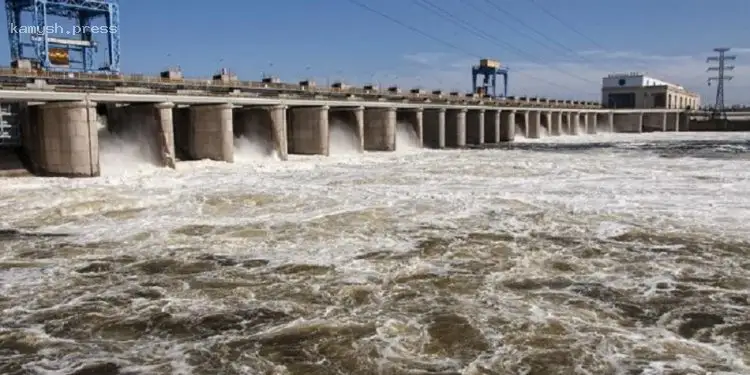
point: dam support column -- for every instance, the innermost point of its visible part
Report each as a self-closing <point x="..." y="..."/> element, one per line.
<point x="545" y="122"/>
<point x="568" y="123"/>
<point x="165" y="131"/>
<point x="307" y="130"/>
<point x="434" y="128"/>
<point x="591" y="123"/>
<point x="611" y="122"/>
<point x="278" y="124"/>
<point x="380" y="129"/>
<point x="455" y="127"/>
<point x="533" y="125"/>
<point x="475" y="127"/>
<point x="507" y="125"/>
<point x="66" y="140"/>
<point x="556" y="124"/>
<point x="211" y="131"/>
<point x="492" y="126"/>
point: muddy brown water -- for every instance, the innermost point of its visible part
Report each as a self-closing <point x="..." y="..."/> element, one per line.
<point x="607" y="260"/>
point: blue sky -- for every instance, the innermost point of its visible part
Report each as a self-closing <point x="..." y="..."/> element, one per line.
<point x="329" y="40"/>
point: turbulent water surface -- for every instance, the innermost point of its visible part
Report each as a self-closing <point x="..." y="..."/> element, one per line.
<point x="623" y="257"/>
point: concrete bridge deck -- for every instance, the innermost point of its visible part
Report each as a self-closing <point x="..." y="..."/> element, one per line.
<point x="100" y="83"/>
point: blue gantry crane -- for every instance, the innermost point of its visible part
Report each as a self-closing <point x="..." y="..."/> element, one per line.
<point x="489" y="70"/>
<point x="70" y="46"/>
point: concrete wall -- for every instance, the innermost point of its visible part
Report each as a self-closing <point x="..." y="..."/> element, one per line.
<point x="307" y="130"/>
<point x="628" y="123"/>
<point x="719" y="125"/>
<point x="645" y="96"/>
<point x="380" y="129"/>
<point x="434" y="128"/>
<point x="61" y="139"/>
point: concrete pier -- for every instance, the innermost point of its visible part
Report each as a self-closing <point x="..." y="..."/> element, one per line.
<point x="380" y="129"/>
<point x="211" y="135"/>
<point x="475" y="127"/>
<point x="455" y="128"/>
<point x="63" y="139"/>
<point x="545" y="122"/>
<point x="307" y="130"/>
<point x="264" y="126"/>
<point x="507" y="125"/>
<point x="414" y="119"/>
<point x="492" y="126"/>
<point x="534" y="125"/>
<point x="556" y="127"/>
<point x="434" y="127"/>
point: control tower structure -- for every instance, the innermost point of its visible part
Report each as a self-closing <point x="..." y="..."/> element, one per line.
<point x="69" y="45"/>
<point x="489" y="70"/>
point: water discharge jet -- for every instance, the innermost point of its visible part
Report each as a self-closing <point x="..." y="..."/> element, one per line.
<point x="343" y="139"/>
<point x="253" y="135"/>
<point x="407" y="138"/>
<point x="125" y="147"/>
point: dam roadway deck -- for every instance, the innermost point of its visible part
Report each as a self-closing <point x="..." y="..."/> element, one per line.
<point x="59" y="114"/>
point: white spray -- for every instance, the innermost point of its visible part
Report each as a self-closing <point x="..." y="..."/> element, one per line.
<point x="343" y="140"/>
<point x="124" y="153"/>
<point x="407" y="138"/>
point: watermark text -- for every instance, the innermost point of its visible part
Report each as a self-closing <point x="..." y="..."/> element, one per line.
<point x="56" y="29"/>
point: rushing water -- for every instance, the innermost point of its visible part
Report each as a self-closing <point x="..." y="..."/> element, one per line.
<point x="624" y="257"/>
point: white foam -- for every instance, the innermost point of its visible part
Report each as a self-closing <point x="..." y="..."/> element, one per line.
<point x="319" y="210"/>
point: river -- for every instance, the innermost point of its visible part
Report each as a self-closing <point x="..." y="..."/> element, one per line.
<point x="609" y="254"/>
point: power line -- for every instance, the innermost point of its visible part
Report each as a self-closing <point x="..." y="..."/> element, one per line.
<point x="588" y="38"/>
<point x="570" y="27"/>
<point x="587" y="63"/>
<point x="441" y="12"/>
<point x="524" y="24"/>
<point x="448" y="44"/>
<point x="720" y="78"/>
